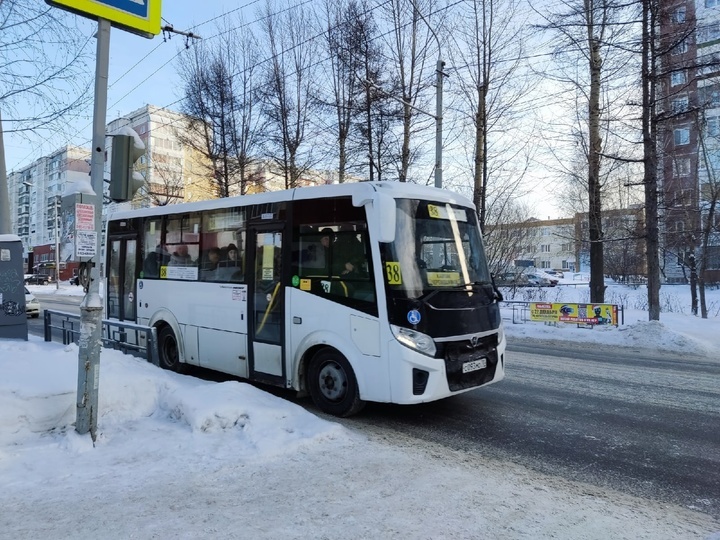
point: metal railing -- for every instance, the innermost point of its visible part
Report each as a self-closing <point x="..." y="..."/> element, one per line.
<point x="128" y="337"/>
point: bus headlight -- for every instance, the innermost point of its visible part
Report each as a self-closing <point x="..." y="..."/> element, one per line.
<point x="414" y="340"/>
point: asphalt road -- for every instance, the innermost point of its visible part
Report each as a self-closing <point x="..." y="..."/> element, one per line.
<point x="641" y="422"/>
<point x="644" y="425"/>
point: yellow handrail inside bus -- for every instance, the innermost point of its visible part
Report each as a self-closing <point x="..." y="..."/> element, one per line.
<point x="268" y="308"/>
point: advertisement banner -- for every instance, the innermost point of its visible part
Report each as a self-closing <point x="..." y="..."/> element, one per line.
<point x="574" y="313"/>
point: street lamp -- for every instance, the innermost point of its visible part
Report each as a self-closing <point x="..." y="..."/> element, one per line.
<point x="58" y="202"/>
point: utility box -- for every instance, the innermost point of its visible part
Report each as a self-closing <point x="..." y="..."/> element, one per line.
<point x="13" y="319"/>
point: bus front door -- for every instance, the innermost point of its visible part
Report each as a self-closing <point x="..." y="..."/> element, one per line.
<point x="267" y="304"/>
<point x="122" y="261"/>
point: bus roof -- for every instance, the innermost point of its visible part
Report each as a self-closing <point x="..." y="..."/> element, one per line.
<point x="398" y="190"/>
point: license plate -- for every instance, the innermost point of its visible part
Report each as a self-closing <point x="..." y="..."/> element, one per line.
<point x="474" y="365"/>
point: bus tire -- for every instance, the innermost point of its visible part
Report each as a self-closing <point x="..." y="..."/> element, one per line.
<point x="168" y="352"/>
<point x="332" y="384"/>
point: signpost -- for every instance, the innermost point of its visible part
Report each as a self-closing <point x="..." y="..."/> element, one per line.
<point x="140" y="17"/>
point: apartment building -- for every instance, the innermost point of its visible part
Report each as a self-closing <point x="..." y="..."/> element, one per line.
<point x="173" y="173"/>
<point x="689" y="132"/>
<point x="563" y="244"/>
<point x="34" y="192"/>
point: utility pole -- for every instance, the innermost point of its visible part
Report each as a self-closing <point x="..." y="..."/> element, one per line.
<point x="5" y="227"/>
<point x="57" y="242"/>
<point x="91" y="307"/>
<point x="438" y="122"/>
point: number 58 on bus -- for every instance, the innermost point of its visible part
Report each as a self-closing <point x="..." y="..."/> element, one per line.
<point x="349" y="293"/>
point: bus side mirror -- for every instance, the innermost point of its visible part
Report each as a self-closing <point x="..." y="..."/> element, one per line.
<point x="381" y="212"/>
<point x="385" y="213"/>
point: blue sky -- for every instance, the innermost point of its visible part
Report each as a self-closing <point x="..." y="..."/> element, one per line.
<point x="142" y="71"/>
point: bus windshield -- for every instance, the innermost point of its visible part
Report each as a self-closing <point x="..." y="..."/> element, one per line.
<point x="437" y="247"/>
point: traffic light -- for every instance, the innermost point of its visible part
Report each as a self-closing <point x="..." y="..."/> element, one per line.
<point x="124" y="180"/>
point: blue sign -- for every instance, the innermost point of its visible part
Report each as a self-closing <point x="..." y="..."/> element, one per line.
<point x="413" y="316"/>
<point x="139" y="7"/>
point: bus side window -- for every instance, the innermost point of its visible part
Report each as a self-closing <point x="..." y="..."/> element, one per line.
<point x="224" y="231"/>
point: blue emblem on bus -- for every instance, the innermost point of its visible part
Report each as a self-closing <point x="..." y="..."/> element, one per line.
<point x="413" y="316"/>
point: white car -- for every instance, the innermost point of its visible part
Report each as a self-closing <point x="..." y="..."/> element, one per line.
<point x="32" y="306"/>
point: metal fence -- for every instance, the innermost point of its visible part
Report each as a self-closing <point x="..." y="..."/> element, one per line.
<point x="127" y="337"/>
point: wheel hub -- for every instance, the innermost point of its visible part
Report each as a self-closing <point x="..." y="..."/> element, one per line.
<point x="333" y="381"/>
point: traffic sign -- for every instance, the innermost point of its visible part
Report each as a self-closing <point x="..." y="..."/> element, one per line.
<point x="140" y="17"/>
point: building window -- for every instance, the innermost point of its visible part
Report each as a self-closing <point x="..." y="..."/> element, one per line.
<point x="545" y="248"/>
<point x="682" y="136"/>
<point x="678" y="15"/>
<point x="680" y="48"/>
<point x="709" y="33"/>
<point x="678" y="78"/>
<point x="712" y="3"/>
<point x="681" y="167"/>
<point x="679" y="104"/>
<point x="712" y="126"/>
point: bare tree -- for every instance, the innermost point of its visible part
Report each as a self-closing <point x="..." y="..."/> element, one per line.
<point x="348" y="25"/>
<point x="411" y="44"/>
<point x="288" y="100"/>
<point x="709" y="207"/>
<point x="593" y="31"/>
<point x="378" y="111"/>
<point x="487" y="37"/>
<point x="221" y="86"/>
<point x="44" y="74"/>
<point x="39" y="89"/>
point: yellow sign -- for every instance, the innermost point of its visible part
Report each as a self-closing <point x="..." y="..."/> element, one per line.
<point x="305" y="284"/>
<point x="574" y="313"/>
<point x="140" y="17"/>
<point x="443" y="279"/>
<point x="163" y="272"/>
<point x="392" y="271"/>
<point x="446" y="212"/>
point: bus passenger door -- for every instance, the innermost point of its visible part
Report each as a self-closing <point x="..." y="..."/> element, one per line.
<point x="267" y="304"/>
<point x="121" y="276"/>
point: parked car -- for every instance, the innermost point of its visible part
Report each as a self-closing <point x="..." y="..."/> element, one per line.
<point x="539" y="280"/>
<point x="32" y="306"/>
<point x="38" y="279"/>
<point x="545" y="275"/>
<point x="510" y="279"/>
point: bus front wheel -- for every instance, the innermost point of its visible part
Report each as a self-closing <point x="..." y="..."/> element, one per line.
<point x="332" y="384"/>
<point x="168" y="351"/>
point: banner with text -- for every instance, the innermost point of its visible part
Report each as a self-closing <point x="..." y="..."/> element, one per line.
<point x="574" y="313"/>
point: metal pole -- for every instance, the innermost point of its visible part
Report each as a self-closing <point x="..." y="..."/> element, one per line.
<point x="91" y="307"/>
<point x="5" y="222"/>
<point x="438" y="124"/>
<point x="57" y="242"/>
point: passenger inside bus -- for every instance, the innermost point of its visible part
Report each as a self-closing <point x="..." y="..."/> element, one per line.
<point x="180" y="256"/>
<point x="231" y="257"/>
<point x="154" y="260"/>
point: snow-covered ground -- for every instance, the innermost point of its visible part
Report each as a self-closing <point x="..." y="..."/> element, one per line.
<point x="178" y="457"/>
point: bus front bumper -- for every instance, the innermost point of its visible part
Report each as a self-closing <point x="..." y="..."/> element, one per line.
<point x="417" y="378"/>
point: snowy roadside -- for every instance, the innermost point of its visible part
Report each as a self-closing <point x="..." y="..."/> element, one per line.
<point x="178" y="457"/>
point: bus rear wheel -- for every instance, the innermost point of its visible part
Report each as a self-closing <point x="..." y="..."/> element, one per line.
<point x="332" y="384"/>
<point x="168" y="352"/>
